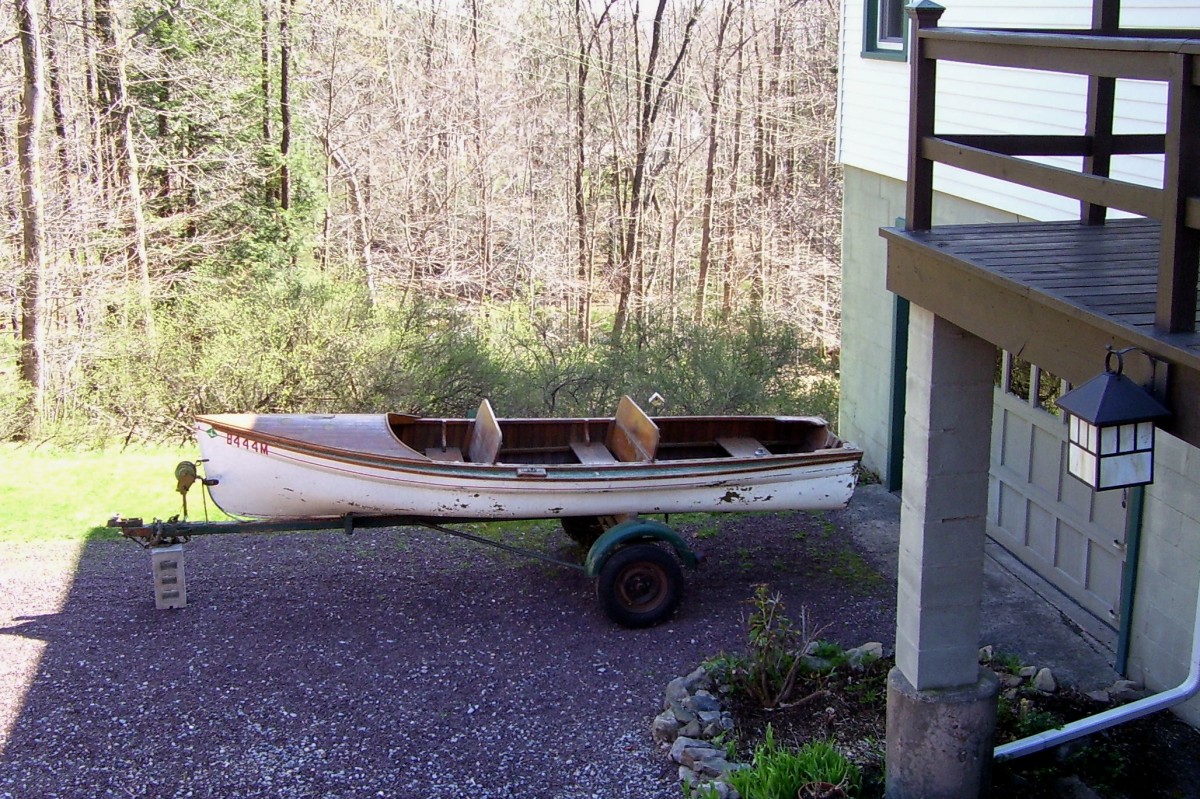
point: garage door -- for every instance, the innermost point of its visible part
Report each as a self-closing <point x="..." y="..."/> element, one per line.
<point x="1060" y="528"/>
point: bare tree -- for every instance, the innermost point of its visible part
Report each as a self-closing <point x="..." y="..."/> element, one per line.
<point x="652" y="89"/>
<point x="117" y="128"/>
<point x="29" y="129"/>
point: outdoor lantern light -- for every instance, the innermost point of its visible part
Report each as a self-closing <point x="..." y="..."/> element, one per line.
<point x="1111" y="437"/>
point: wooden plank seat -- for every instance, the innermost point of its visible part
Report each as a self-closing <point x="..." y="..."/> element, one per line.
<point x="444" y="454"/>
<point x="592" y="452"/>
<point x="743" y="446"/>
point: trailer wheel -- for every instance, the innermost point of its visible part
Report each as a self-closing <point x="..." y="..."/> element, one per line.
<point x="640" y="585"/>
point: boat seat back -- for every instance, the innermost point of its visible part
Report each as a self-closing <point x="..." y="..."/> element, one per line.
<point x="485" y="435"/>
<point x="633" y="436"/>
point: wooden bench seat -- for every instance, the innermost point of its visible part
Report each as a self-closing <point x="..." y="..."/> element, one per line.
<point x="593" y="453"/>
<point x="444" y="454"/>
<point x="743" y="446"/>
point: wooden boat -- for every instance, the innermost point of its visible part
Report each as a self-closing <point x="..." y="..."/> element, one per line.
<point x="275" y="466"/>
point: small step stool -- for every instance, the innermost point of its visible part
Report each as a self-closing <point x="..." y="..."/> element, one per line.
<point x="166" y="567"/>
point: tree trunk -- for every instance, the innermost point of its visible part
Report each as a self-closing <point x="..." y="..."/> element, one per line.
<point x="264" y="55"/>
<point x="481" y="172"/>
<point x="29" y="126"/>
<point x="710" y="165"/>
<point x="650" y="101"/>
<point x="118" y="130"/>
<point x="285" y="103"/>
<point x="362" y="225"/>
<point x="54" y="84"/>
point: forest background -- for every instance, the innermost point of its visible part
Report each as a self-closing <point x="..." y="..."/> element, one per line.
<point x="365" y="205"/>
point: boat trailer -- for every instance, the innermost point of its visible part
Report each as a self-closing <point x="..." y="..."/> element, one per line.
<point x="639" y="581"/>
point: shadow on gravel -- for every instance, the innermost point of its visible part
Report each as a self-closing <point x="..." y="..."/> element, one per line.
<point x="392" y="663"/>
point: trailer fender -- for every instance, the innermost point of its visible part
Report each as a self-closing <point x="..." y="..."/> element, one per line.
<point x="637" y="530"/>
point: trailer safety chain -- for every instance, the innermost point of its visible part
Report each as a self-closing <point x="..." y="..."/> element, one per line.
<point x="529" y="553"/>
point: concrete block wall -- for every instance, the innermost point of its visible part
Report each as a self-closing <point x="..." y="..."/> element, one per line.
<point x="1168" y="573"/>
<point x="873" y="201"/>
<point x="868" y="309"/>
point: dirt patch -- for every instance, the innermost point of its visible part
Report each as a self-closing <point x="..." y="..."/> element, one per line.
<point x="1158" y="756"/>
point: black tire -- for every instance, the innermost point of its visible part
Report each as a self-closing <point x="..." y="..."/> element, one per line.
<point x="583" y="530"/>
<point x="640" y="585"/>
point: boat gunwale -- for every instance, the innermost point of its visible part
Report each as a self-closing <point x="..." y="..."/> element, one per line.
<point x="419" y="464"/>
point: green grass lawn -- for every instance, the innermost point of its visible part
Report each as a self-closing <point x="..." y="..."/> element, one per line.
<point x="57" y="495"/>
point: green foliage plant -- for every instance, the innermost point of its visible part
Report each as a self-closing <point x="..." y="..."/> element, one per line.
<point x="776" y="649"/>
<point x="776" y="773"/>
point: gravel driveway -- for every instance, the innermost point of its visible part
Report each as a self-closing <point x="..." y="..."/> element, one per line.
<point x="393" y="663"/>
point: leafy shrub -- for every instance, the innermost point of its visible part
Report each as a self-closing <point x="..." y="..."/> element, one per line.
<point x="776" y="650"/>
<point x="302" y="340"/>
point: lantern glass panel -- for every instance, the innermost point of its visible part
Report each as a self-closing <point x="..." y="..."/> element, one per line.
<point x="1128" y="437"/>
<point x="1145" y="435"/>
<point x="1135" y="468"/>
<point x="1093" y="444"/>
<point x="1082" y="464"/>
<point x="1109" y="441"/>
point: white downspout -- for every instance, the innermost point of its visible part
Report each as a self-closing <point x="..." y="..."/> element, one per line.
<point x="1117" y="715"/>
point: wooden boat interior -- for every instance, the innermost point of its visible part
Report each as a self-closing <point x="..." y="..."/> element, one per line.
<point x="629" y="436"/>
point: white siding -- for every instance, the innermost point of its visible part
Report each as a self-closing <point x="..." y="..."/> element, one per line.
<point x="873" y="117"/>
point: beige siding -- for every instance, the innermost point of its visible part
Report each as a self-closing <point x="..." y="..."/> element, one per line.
<point x="974" y="99"/>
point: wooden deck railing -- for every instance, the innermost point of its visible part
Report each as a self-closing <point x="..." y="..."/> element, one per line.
<point x="1104" y="55"/>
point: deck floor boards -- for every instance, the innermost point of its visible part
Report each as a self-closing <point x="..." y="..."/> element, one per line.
<point x="1110" y="270"/>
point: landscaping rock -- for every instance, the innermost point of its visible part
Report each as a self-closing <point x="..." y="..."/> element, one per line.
<point x="1028" y="671"/>
<point x="684" y="743"/>
<point x="701" y="701"/>
<point x="1126" y="691"/>
<point x="718" y="767"/>
<point x="859" y="656"/>
<point x="677" y="691"/>
<point x="698" y="680"/>
<point x="1044" y="681"/>
<point x="697" y="758"/>
<point x="986" y="653"/>
<point x="681" y="712"/>
<point x="665" y="728"/>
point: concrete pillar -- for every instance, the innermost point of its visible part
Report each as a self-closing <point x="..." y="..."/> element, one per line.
<point x="938" y="686"/>
<point x="166" y="567"/>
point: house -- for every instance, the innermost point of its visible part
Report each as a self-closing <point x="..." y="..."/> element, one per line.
<point x="1035" y="171"/>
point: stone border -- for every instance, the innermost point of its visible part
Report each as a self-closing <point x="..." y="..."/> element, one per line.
<point x="691" y="719"/>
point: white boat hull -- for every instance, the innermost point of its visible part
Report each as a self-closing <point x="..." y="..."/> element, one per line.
<point x="277" y="479"/>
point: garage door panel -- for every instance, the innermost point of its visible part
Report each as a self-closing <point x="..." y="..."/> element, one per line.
<point x="1050" y="521"/>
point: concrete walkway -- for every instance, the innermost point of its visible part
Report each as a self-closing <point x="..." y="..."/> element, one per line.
<point x="1023" y="614"/>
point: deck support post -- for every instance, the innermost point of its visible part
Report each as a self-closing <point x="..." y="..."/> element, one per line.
<point x="941" y="705"/>
<point x="166" y="568"/>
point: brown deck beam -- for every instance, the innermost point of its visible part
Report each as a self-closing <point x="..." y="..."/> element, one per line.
<point x="1064" y="330"/>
